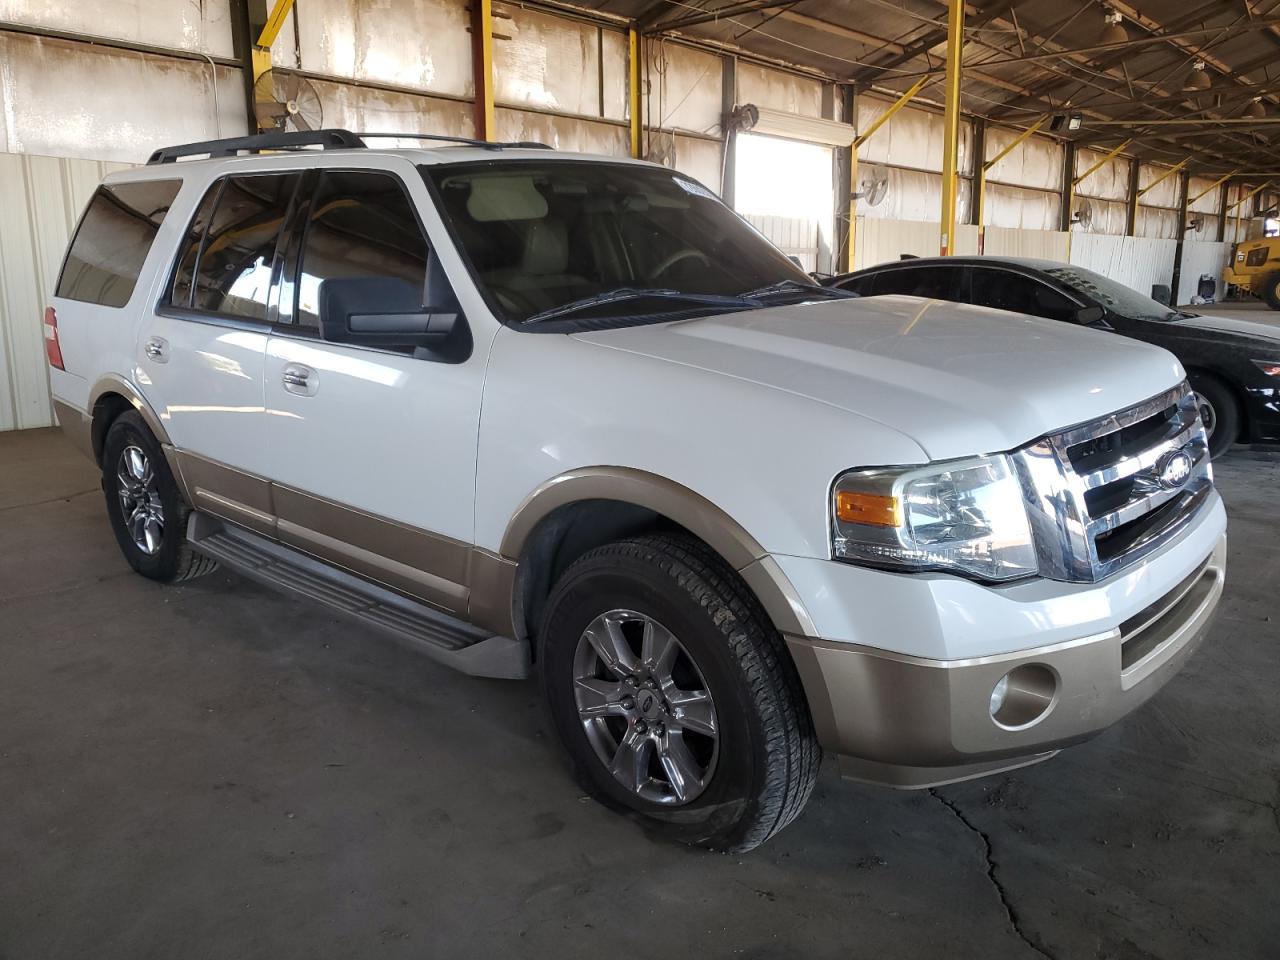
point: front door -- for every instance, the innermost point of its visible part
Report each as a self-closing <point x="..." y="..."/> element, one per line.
<point x="372" y="452"/>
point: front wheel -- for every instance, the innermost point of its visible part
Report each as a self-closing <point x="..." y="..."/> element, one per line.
<point x="148" y="515"/>
<point x="675" y="696"/>
<point x="1218" y="411"/>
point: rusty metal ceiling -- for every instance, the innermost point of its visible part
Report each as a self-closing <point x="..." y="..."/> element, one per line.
<point x="1026" y="58"/>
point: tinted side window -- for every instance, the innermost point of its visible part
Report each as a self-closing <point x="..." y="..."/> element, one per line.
<point x="1005" y="290"/>
<point x="113" y="240"/>
<point x="360" y="225"/>
<point x="236" y="261"/>
<point x="934" y="282"/>
<point x="1256" y="258"/>
<point x="859" y="285"/>
<point x="190" y="248"/>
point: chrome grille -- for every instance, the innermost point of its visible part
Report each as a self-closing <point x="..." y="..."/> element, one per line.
<point x="1107" y="493"/>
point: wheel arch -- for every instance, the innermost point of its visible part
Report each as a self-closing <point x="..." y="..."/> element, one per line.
<point x="586" y="508"/>
<point x="113" y="395"/>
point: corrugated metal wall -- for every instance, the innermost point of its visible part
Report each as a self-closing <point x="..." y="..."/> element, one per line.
<point x="1137" y="262"/>
<point x="40" y="201"/>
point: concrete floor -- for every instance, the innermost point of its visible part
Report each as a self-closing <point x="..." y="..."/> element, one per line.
<point x="1254" y="310"/>
<point x="214" y="771"/>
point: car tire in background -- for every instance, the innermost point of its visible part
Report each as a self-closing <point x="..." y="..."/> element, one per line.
<point x="1219" y="410"/>
<point x="148" y="515"/>
<point x="674" y="694"/>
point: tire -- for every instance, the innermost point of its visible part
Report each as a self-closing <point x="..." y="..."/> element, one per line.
<point x="749" y="780"/>
<point x="1219" y="410"/>
<point x="1271" y="291"/>
<point x="136" y="477"/>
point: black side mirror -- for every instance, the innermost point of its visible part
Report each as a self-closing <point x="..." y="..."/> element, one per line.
<point x="1093" y="316"/>
<point x="382" y="312"/>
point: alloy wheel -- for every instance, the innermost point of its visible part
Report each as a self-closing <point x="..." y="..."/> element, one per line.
<point x="645" y="707"/>
<point x="140" y="503"/>
<point x="1208" y="415"/>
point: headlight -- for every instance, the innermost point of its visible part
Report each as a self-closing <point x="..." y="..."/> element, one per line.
<point x="966" y="516"/>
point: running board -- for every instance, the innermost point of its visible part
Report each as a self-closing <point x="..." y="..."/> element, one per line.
<point x="451" y="641"/>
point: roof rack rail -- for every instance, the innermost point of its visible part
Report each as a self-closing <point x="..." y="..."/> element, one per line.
<point x="468" y="141"/>
<point x="328" y="139"/>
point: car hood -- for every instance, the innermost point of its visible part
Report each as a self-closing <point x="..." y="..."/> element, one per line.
<point x="1229" y="329"/>
<point x="959" y="380"/>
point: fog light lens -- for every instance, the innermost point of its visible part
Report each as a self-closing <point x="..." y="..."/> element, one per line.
<point x="998" y="694"/>
<point x="1024" y="696"/>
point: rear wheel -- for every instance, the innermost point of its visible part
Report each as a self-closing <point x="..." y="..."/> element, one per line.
<point x="148" y="515"/>
<point x="675" y="696"/>
<point x="1271" y="291"/>
<point x="1218" y="410"/>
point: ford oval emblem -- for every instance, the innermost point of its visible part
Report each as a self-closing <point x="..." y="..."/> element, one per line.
<point x="1174" y="470"/>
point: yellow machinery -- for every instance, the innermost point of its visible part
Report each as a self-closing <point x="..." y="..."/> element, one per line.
<point x="1255" y="268"/>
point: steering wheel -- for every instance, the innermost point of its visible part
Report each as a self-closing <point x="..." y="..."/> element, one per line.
<point x="686" y="253"/>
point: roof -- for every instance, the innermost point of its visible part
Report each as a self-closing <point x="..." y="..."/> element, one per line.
<point x="1031" y="263"/>
<point x="1025" y="59"/>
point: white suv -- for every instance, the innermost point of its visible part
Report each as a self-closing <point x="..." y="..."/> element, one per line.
<point x="545" y="413"/>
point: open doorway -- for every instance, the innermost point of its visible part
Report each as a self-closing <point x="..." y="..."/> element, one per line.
<point x="784" y="188"/>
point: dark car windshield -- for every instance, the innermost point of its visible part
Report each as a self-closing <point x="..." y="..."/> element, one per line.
<point x="1116" y="297"/>
<point x="541" y="235"/>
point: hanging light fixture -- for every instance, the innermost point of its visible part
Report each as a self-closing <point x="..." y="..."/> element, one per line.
<point x="1197" y="79"/>
<point x="1254" y="109"/>
<point x="1113" y="30"/>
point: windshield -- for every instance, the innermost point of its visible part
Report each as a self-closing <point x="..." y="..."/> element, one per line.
<point x="1116" y="297"/>
<point x="545" y="235"/>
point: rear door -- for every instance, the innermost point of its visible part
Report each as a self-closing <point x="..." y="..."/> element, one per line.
<point x="372" y="452"/>
<point x="201" y="354"/>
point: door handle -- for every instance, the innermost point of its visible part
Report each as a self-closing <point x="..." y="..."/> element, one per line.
<point x="157" y="349"/>
<point x="300" y="379"/>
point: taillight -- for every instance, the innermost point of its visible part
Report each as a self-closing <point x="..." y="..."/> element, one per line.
<point x="52" y="348"/>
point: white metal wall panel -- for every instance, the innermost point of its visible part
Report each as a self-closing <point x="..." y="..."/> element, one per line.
<point x="1109" y="216"/>
<point x="547" y="62"/>
<point x="700" y="159"/>
<point x="683" y="88"/>
<point x="419" y="44"/>
<point x="371" y="109"/>
<point x="779" y="90"/>
<point x="201" y="26"/>
<point x="1040" y="244"/>
<point x="40" y="201"/>
<point x="1203" y="227"/>
<point x="1156" y="222"/>
<point x="881" y="241"/>
<point x="1036" y="162"/>
<point x="1198" y="259"/>
<point x="1137" y="262"/>
<point x="911" y="138"/>
<point x="64" y="99"/>
<point x="795" y="237"/>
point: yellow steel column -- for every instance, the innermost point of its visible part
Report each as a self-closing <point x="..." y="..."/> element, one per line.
<point x="858" y="141"/>
<point x="951" y="132"/>
<point x="482" y="67"/>
<point x="633" y="90"/>
<point x="983" y="167"/>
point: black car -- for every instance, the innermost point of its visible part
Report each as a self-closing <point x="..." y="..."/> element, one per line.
<point x="1233" y="365"/>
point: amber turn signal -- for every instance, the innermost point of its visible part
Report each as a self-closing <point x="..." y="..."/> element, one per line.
<point x="869" y="508"/>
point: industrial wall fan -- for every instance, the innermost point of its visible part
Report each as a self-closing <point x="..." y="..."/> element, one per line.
<point x="1084" y="214"/>
<point x="873" y="184"/>
<point x="286" y="101"/>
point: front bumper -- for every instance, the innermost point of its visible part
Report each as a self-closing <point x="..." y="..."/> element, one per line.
<point x="912" y="722"/>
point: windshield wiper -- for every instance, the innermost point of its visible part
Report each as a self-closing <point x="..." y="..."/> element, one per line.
<point x="808" y="289"/>
<point x="622" y="294"/>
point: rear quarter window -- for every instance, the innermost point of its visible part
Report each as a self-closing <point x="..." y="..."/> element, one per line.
<point x="113" y="240"/>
